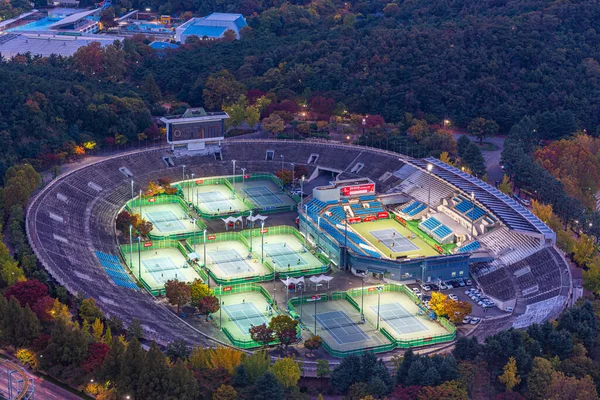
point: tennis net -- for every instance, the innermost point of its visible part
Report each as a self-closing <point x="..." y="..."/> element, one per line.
<point x="264" y="315"/>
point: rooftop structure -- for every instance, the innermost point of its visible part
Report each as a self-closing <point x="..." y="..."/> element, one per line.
<point x="195" y="128"/>
<point x="212" y="26"/>
<point x="46" y="44"/>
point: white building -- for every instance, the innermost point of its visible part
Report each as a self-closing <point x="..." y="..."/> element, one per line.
<point x="212" y="26"/>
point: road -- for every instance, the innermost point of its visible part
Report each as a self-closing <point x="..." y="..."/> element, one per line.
<point x="492" y="158"/>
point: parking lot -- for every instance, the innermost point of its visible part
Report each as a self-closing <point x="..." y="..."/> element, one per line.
<point x="459" y="292"/>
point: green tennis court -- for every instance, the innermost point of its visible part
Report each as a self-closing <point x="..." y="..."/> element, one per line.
<point x="165" y="221"/>
<point x="262" y="196"/>
<point x="283" y="255"/>
<point x="246" y="315"/>
<point x="230" y="262"/>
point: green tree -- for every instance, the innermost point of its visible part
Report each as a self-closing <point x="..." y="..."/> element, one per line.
<point x="473" y="158"/>
<point x="287" y="371"/>
<point x="222" y="89"/>
<point x="257" y="364"/>
<point x="284" y="328"/>
<point x="151" y="88"/>
<point x="135" y="329"/>
<point x="112" y="367"/>
<point x="252" y="115"/>
<point x="510" y="378"/>
<point x="267" y="388"/>
<point x="225" y="392"/>
<point x="130" y="364"/>
<point x="154" y="377"/>
<point x="181" y="382"/>
<point x="11" y="273"/>
<point x="506" y="186"/>
<point x="88" y="310"/>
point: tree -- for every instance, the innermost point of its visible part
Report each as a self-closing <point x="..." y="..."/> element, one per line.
<point x="135" y="329"/>
<point x="284" y="328"/>
<point x="96" y="354"/>
<point x="97" y="330"/>
<point x="466" y="348"/>
<point x="273" y="124"/>
<point x="510" y="378"/>
<point x="438" y="303"/>
<point x="565" y="387"/>
<point x="151" y="88"/>
<point x="346" y="373"/>
<point x="457" y="310"/>
<point x="506" y="186"/>
<point x="11" y="273"/>
<point x="43" y="309"/>
<point x="287" y="371"/>
<point x="208" y="305"/>
<point x="67" y="346"/>
<point x="182" y="383"/>
<point x="267" y="388"/>
<point x="585" y="249"/>
<point x="405" y="392"/>
<point x="177" y="350"/>
<point x="88" y="310"/>
<point x="473" y="158"/>
<point x="178" y="293"/>
<point x="153" y="381"/>
<point x="226" y="358"/>
<point x="27" y="292"/>
<point x="261" y="334"/>
<point x="539" y="379"/>
<point x="221" y="89"/>
<point x="198" y="290"/>
<point x="313" y="343"/>
<point x="225" y="392"/>
<point x="252" y="115"/>
<point x="482" y="128"/>
<point x="130" y="363"/>
<point x="451" y="390"/>
<point x="257" y="365"/>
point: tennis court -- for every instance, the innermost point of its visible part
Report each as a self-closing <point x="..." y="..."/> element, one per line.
<point x="168" y="219"/>
<point x="341" y="327"/>
<point x="285" y="252"/>
<point x="214" y="199"/>
<point x="246" y="315"/>
<point x="338" y="324"/>
<point x="386" y="228"/>
<point x="160" y="265"/>
<point x="262" y="196"/>
<point x="399" y="318"/>
<point x="230" y="261"/>
<point x="394" y="240"/>
<point x="265" y="194"/>
<point x="242" y="310"/>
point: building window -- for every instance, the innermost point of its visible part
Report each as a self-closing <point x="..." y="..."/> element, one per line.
<point x="454" y="274"/>
<point x="461" y="273"/>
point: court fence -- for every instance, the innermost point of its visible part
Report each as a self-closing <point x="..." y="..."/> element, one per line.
<point x="394" y="342"/>
<point x="133" y="206"/>
<point x="242" y="288"/>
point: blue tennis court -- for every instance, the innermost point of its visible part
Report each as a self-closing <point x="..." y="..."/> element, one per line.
<point x="398" y="317"/>
<point x="163" y="269"/>
<point x="230" y="261"/>
<point x="215" y="201"/>
<point x="284" y="256"/>
<point x="394" y="240"/>
<point x="245" y="316"/>
<point x="165" y="221"/>
<point x="262" y="196"/>
<point x="341" y="328"/>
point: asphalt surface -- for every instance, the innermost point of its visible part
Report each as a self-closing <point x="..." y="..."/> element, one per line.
<point x="492" y="158"/>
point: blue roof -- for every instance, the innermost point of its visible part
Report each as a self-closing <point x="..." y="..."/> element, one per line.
<point x="201" y="31"/>
<point x="163" y="45"/>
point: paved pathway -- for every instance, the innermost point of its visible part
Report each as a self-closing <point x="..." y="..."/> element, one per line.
<point x="492" y="158"/>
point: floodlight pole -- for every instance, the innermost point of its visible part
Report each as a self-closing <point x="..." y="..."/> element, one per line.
<point x="346" y="241"/>
<point x="233" y="178"/>
<point x="300" y="287"/>
<point x="318" y="231"/>
<point x="194" y="221"/>
<point x="131" y="245"/>
<point x="429" y="168"/>
<point x="193" y="196"/>
<point x="140" y="203"/>
<point x="302" y="190"/>
<point x="183" y="173"/>
<point x="362" y="301"/>
<point x="364" y="125"/>
<point x="378" y="303"/>
<point x="221" y="306"/>
<point x="251" y="230"/>
<point x="282" y="160"/>
<point x="293" y="176"/>
<point x="472" y="213"/>
<point x="244" y="183"/>
<point x="132" y="190"/>
<point x="139" y="257"/>
<point x="315" y="317"/>
<point x="204" y="261"/>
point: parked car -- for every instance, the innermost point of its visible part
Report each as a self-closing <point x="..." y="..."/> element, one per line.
<point x="443" y="286"/>
<point x="469" y="282"/>
<point x="467" y="319"/>
<point x="509" y="309"/>
<point x="453" y="297"/>
<point x="461" y="282"/>
<point x="426" y="288"/>
<point x="475" y="321"/>
<point x="433" y="286"/>
<point x="468" y="291"/>
<point x="416" y="291"/>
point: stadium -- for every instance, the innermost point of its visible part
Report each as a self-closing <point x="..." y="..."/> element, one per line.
<point x="233" y="224"/>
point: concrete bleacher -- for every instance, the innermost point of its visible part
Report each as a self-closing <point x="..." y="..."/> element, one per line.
<point x="494" y="281"/>
<point x="468" y="209"/>
<point x="435" y="228"/>
<point x="423" y="187"/>
<point x="113" y="267"/>
<point x="509" y="246"/>
<point x="412" y="209"/>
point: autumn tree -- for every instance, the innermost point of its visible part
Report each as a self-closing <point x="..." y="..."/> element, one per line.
<point x="27" y="292"/>
<point x="457" y="310"/>
<point x="313" y="343"/>
<point x="198" y="290"/>
<point x="284" y="328"/>
<point x="273" y="124"/>
<point x="88" y="310"/>
<point x="287" y="371"/>
<point x="585" y="249"/>
<point x="225" y="392"/>
<point x="225" y="357"/>
<point x="222" y="89"/>
<point x="510" y="378"/>
<point x="438" y="303"/>
<point x="261" y="334"/>
<point x="178" y="293"/>
<point x="482" y="128"/>
<point x="208" y="305"/>
<point x="506" y="186"/>
<point x="539" y="379"/>
<point x="566" y="387"/>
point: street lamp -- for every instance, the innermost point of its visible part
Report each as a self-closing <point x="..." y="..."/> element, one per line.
<point x="183" y="173"/>
<point x="364" y="126"/>
<point x="244" y="181"/>
<point x="472" y="212"/>
<point x="233" y="178"/>
<point x="204" y="261"/>
<point x="141" y="203"/>
<point x="362" y="300"/>
<point x="282" y="159"/>
<point x="293" y="176"/>
<point x="429" y="168"/>
<point x="379" y="289"/>
<point x="131" y="245"/>
<point x="132" y="190"/>
<point x="302" y="190"/>
<point x="195" y="225"/>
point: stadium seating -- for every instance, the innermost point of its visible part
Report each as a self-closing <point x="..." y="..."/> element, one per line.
<point x="367" y="198"/>
<point x="509" y="246"/>
<point x="436" y="229"/>
<point x="466" y="208"/>
<point x="474" y="245"/>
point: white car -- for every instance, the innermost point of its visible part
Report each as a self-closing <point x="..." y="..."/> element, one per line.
<point x="467" y="319"/>
<point x="426" y="288"/>
<point x="453" y="297"/>
<point x="509" y="309"/>
<point x="469" y="282"/>
<point x="416" y="291"/>
<point x="442" y="286"/>
<point x="475" y="321"/>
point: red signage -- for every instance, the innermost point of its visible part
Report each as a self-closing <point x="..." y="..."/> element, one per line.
<point x="246" y="176"/>
<point x="315" y="297"/>
<point x="148" y="244"/>
<point x="372" y="289"/>
<point x="264" y="230"/>
<point x="382" y="215"/>
<point x="370" y="218"/>
<point x="401" y="220"/>
<point x="227" y="288"/>
<point x="357" y="189"/>
<point x="438" y="248"/>
<point x="354" y="220"/>
<point x="199" y="181"/>
<point x="211" y="237"/>
<point x="152" y="200"/>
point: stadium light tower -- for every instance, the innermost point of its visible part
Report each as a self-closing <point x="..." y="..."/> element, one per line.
<point x="293" y="176"/>
<point x="282" y="160"/>
<point x="132" y="190"/>
<point x="243" y="181"/>
<point x="183" y="173"/>
<point x="140" y="203"/>
<point x="195" y="225"/>
<point x="233" y="178"/>
<point x="131" y="245"/>
<point x="204" y="261"/>
<point x="364" y="125"/>
<point x="302" y="190"/>
<point x="429" y="168"/>
<point x="193" y="197"/>
<point x="362" y="300"/>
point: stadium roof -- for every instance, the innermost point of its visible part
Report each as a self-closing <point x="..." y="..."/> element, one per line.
<point x="202" y="30"/>
<point x="238" y="19"/>
<point x="71" y="19"/>
<point x="47" y="44"/>
<point x="511" y="213"/>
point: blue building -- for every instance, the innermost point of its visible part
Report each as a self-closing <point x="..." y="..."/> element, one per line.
<point x="210" y="27"/>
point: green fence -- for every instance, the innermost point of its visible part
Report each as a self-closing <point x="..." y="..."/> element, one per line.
<point x="395" y="343"/>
